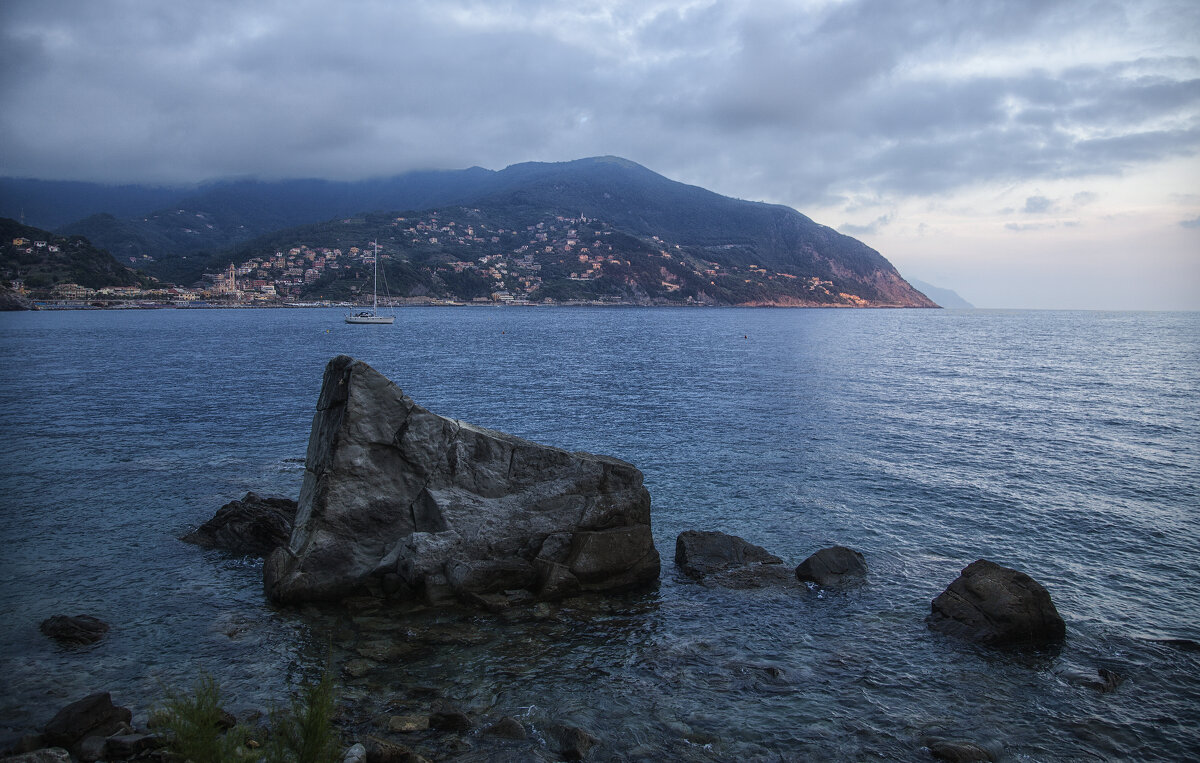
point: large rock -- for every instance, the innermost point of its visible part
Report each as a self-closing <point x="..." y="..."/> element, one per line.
<point x="94" y="715"/>
<point x="997" y="606"/>
<point x="701" y="553"/>
<point x="396" y="493"/>
<point x="832" y="567"/>
<point x="255" y="525"/>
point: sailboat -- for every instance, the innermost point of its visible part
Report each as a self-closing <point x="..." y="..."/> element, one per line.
<point x="373" y="316"/>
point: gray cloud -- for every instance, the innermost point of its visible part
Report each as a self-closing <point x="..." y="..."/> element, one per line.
<point x="1038" y="205"/>
<point x="872" y="227"/>
<point x="764" y="100"/>
<point x="1193" y="223"/>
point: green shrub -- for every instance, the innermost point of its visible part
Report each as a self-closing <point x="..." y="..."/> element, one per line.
<point x="305" y="733"/>
<point x="196" y="722"/>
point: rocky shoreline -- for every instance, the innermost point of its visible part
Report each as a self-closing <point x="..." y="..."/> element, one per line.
<point x="403" y="510"/>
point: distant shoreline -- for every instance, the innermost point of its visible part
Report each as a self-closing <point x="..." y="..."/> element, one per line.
<point x="66" y="305"/>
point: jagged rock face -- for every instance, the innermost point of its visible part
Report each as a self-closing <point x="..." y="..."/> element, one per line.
<point x="997" y="606"/>
<point x="432" y="506"/>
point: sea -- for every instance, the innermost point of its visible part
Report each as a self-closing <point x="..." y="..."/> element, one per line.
<point x="1062" y="444"/>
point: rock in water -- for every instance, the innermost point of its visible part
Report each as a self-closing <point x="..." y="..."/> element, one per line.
<point x="997" y="606"/>
<point x="833" y="566"/>
<point x="94" y="715"/>
<point x="700" y="552"/>
<point x="77" y="630"/>
<point x="394" y="492"/>
<point x="255" y="525"/>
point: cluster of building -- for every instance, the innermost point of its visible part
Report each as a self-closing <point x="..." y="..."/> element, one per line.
<point x="514" y="263"/>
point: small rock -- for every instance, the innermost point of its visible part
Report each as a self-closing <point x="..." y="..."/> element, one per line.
<point x="957" y="750"/>
<point x="45" y="755"/>
<point x="507" y="728"/>
<point x="358" y="668"/>
<point x="122" y="746"/>
<point x="699" y="553"/>
<point x="255" y="525"/>
<point x="77" y="630"/>
<point x="446" y="717"/>
<point x="574" y="743"/>
<point x="1100" y="679"/>
<point x="90" y="749"/>
<point x="356" y="754"/>
<point x="94" y="715"/>
<point x="832" y="567"/>
<point x="407" y="724"/>
<point x="381" y="751"/>
<point x="997" y="606"/>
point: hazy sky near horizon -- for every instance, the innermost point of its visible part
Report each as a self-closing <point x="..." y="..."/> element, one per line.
<point x="1026" y="153"/>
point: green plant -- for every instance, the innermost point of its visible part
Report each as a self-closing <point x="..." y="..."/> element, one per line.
<point x="197" y="721"/>
<point x="305" y="733"/>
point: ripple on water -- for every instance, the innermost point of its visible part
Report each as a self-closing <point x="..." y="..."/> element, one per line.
<point x="1063" y="444"/>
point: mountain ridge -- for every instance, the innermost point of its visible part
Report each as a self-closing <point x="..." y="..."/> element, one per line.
<point x="210" y="226"/>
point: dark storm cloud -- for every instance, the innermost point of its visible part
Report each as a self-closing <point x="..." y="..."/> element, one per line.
<point x="804" y="101"/>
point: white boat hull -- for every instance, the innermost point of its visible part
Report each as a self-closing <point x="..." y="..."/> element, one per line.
<point x="370" y="319"/>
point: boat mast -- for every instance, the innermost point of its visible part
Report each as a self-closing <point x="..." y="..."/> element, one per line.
<point x="375" y="297"/>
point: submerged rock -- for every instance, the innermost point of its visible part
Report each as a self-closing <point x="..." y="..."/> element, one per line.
<point x="75" y="631"/>
<point x="701" y="553"/>
<point x="958" y="750"/>
<point x="574" y="743"/>
<point x="997" y="606"/>
<point x="446" y="510"/>
<point x="832" y="567"/>
<point x="507" y="728"/>
<point x="255" y="525"/>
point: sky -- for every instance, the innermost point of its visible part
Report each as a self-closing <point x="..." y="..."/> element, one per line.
<point x="1025" y="153"/>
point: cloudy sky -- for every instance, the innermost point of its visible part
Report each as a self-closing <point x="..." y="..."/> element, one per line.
<point x="1026" y="153"/>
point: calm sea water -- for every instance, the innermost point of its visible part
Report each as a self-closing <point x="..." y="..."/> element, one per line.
<point x="1064" y="444"/>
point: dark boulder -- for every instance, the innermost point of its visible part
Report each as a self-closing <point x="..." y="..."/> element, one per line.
<point x="383" y="751"/>
<point x="832" y="567"/>
<point x="997" y="606"/>
<point x="701" y="553"/>
<point x="446" y="717"/>
<point x="447" y="511"/>
<point x="574" y="743"/>
<point x="507" y="728"/>
<point x="75" y="631"/>
<point x="256" y="525"/>
<point x="94" y="715"/>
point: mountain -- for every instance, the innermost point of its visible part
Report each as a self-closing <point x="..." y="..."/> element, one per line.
<point x="752" y="253"/>
<point x="41" y="260"/>
<point x="944" y="297"/>
<point x="51" y="204"/>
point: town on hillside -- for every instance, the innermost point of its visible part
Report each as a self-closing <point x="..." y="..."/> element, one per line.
<point x="453" y="257"/>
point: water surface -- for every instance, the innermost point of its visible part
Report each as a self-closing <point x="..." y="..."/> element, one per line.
<point x="1065" y="444"/>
